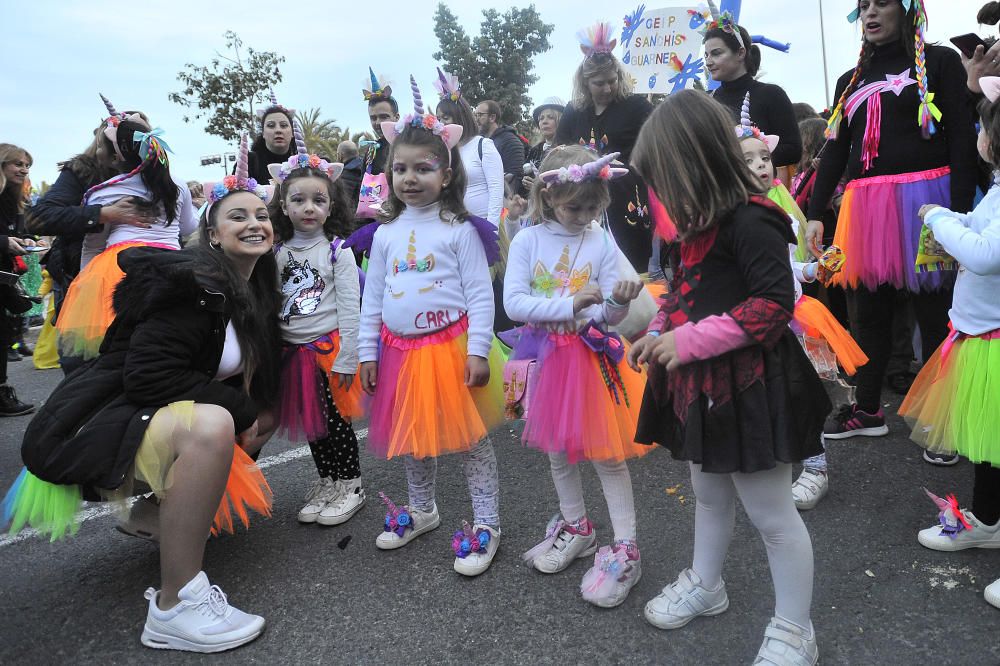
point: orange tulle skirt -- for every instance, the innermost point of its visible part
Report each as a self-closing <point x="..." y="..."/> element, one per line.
<point x="86" y="311"/>
<point x="817" y="322"/>
<point x="422" y="406"/>
<point x="246" y="489"/>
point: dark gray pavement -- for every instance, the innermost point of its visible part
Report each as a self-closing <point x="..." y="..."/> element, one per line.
<point x="329" y="596"/>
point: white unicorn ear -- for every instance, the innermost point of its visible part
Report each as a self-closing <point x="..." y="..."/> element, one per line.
<point x="991" y="87"/>
<point x="275" y="171"/>
<point x="268" y="193"/>
<point x="771" y="141"/>
<point x="335" y="170"/>
<point x="389" y="131"/>
<point x="452" y="135"/>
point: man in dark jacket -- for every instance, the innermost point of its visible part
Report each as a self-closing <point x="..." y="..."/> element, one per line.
<point x="354" y="169"/>
<point x="508" y="143"/>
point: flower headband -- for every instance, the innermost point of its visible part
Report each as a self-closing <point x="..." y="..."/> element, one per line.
<point x="238" y="182"/>
<point x="597" y="40"/>
<point x="302" y="159"/>
<point x="725" y="22"/>
<point x="599" y="169"/>
<point x="447" y="86"/>
<point x="273" y="107"/>
<point x="379" y="91"/>
<point x="112" y="121"/>
<point x="450" y="134"/>
<point x="747" y="130"/>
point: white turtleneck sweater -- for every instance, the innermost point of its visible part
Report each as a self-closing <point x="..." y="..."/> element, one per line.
<point x="423" y="275"/>
<point x="319" y="295"/>
<point x="547" y="265"/>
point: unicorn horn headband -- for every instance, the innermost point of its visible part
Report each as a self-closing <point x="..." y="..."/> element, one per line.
<point x="274" y="105"/>
<point x="599" y="169"/>
<point x="303" y="160"/>
<point x="597" y="40"/>
<point x="238" y="182"/>
<point x="379" y="89"/>
<point x="747" y="130"/>
<point x="113" y="120"/>
<point x="725" y="22"/>
<point x="447" y="86"/>
<point x="449" y="134"/>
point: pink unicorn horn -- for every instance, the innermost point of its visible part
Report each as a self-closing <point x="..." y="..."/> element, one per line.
<point x="300" y="140"/>
<point x="107" y="103"/>
<point x="418" y="101"/>
<point x="242" y="161"/>
<point x="274" y="99"/>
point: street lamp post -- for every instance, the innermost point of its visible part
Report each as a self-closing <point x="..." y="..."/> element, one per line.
<point x="225" y="159"/>
<point x="822" y="39"/>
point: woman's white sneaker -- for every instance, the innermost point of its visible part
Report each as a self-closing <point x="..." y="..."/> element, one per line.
<point x="343" y="507"/>
<point x="684" y="600"/>
<point x="786" y="644"/>
<point x="564" y="543"/>
<point x="324" y="491"/>
<point x="957" y="528"/>
<point x="203" y="621"/>
<point x="811" y="486"/>
<point x="992" y="593"/>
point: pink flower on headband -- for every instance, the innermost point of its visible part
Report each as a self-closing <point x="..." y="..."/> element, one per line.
<point x="575" y="172"/>
<point x="229" y="182"/>
<point x="314" y="161"/>
<point x="605" y="173"/>
<point x="430" y="121"/>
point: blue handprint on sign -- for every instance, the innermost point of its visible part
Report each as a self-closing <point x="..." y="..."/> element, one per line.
<point x="632" y="23"/>
<point x="689" y="71"/>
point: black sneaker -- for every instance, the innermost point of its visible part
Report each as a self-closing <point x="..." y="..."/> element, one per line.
<point x="10" y="405"/>
<point x="940" y="459"/>
<point x="849" y="421"/>
<point x="900" y="383"/>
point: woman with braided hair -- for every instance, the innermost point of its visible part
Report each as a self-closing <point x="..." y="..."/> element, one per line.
<point x="903" y="131"/>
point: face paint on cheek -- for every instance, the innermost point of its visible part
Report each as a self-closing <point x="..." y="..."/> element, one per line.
<point x="432" y="162"/>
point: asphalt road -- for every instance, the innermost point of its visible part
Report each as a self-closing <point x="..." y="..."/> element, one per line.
<point x="329" y="595"/>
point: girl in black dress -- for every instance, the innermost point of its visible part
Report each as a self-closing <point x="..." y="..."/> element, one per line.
<point x="730" y="390"/>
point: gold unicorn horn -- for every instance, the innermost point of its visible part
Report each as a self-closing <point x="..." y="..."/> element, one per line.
<point x="411" y="249"/>
<point x="563" y="265"/>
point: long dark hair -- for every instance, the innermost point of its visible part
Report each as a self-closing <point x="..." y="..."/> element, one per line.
<point x="254" y="310"/>
<point x="452" y="197"/>
<point x="689" y="155"/>
<point x="752" y="60"/>
<point x="340" y="222"/>
<point x="155" y="174"/>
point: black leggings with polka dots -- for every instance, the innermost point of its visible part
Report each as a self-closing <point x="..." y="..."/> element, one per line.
<point x="336" y="455"/>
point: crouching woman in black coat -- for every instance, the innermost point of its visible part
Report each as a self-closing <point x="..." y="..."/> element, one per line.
<point x="186" y="369"/>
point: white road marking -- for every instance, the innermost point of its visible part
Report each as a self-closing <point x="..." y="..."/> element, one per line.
<point x="100" y="510"/>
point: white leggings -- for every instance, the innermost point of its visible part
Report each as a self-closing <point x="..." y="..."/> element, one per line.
<point x="480" y="473"/>
<point x="767" y="499"/>
<point x="617" y="484"/>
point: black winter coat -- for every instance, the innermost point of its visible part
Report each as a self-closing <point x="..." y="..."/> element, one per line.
<point x="164" y="346"/>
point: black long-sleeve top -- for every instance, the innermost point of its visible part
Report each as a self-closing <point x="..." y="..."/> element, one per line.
<point x="770" y="110"/>
<point x="901" y="148"/>
<point x="60" y="213"/>
<point x="619" y="124"/>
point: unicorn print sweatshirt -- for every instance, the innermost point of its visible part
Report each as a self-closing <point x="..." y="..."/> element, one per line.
<point x="425" y="274"/>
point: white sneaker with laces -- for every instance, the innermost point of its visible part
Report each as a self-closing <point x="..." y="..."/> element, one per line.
<point x="980" y="536"/>
<point x="423" y="522"/>
<point x="474" y="564"/>
<point x="343" y="507"/>
<point x="566" y="544"/>
<point x="786" y="644"/>
<point x="992" y="593"/>
<point x="811" y="486"/>
<point x="684" y="600"/>
<point x="203" y="621"/>
<point x="324" y="491"/>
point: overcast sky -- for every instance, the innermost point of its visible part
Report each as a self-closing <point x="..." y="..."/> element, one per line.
<point x="61" y="54"/>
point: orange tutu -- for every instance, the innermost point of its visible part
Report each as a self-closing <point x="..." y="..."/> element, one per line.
<point x="422" y="406"/>
<point x="817" y="322"/>
<point x="86" y="312"/>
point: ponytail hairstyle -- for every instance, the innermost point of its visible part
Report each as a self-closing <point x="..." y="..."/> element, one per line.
<point x="752" y="59"/>
<point x="146" y="156"/>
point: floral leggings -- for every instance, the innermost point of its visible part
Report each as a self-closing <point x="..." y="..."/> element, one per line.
<point x="480" y="473"/>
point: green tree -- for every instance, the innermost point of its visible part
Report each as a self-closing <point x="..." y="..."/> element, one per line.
<point x="497" y="64"/>
<point x="227" y="91"/>
<point x="321" y="136"/>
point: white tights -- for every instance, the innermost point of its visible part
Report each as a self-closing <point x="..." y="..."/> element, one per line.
<point x="617" y="484"/>
<point x="480" y="474"/>
<point x="767" y="499"/>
